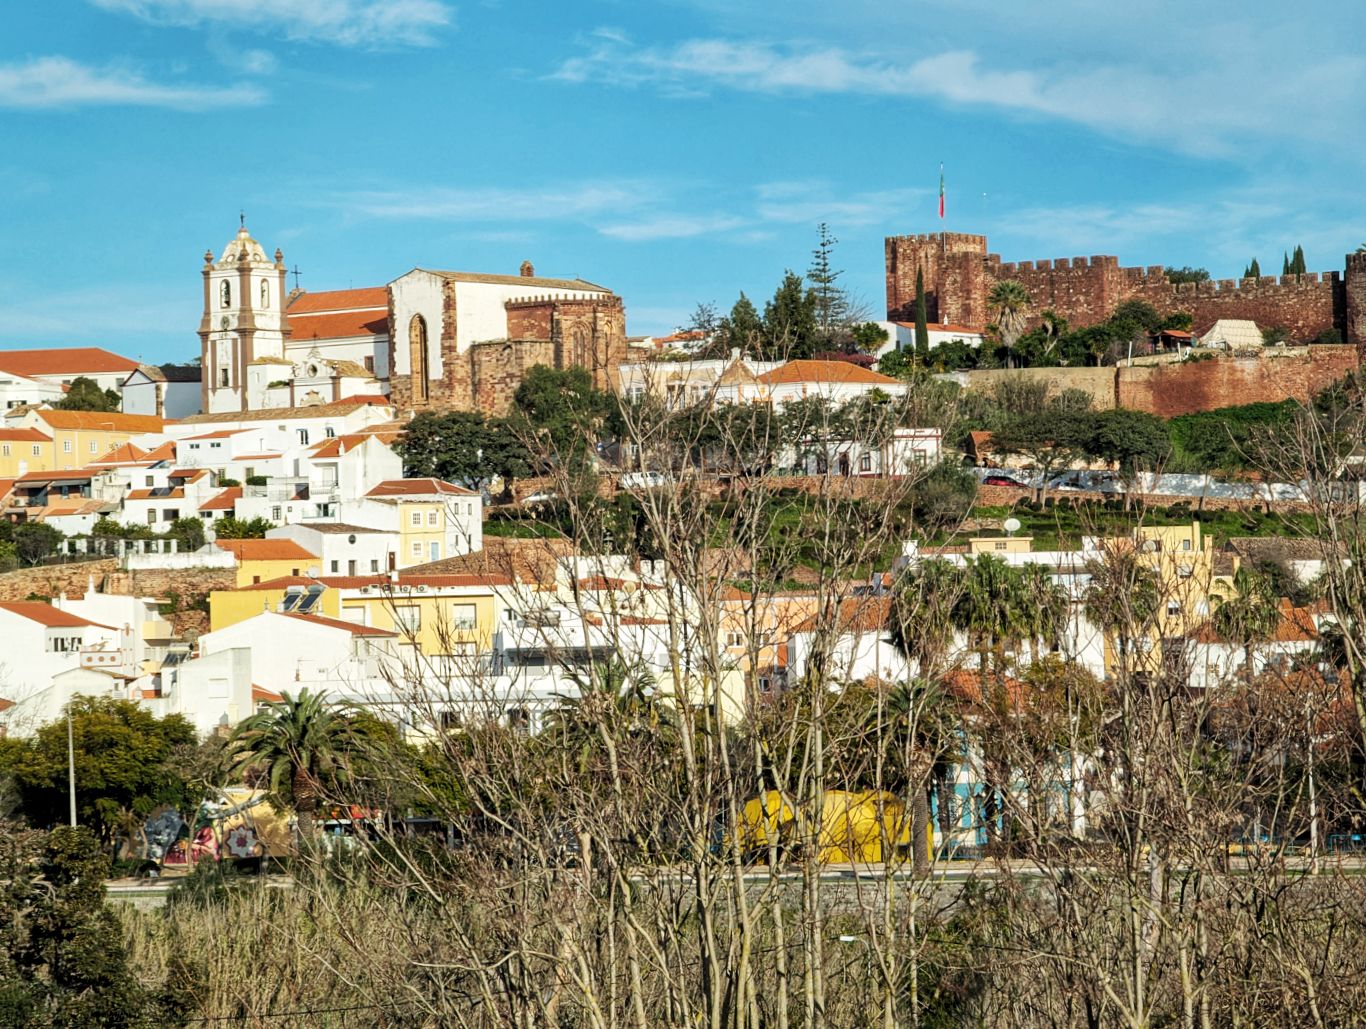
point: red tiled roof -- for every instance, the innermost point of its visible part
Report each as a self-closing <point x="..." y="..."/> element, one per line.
<point x="261" y="695"/>
<point x="825" y="371"/>
<point x="335" y="446"/>
<point x="353" y="628"/>
<point x="856" y="614"/>
<point x="224" y="501"/>
<point x="366" y="400"/>
<point x="338" y="325"/>
<point x="602" y="584"/>
<point x="24" y="436"/>
<point x="54" y="476"/>
<point x="46" y="614"/>
<point x="64" y="361"/>
<point x="266" y="550"/>
<point x="220" y="434"/>
<point x="338" y="300"/>
<point x="165" y="452"/>
<point x="419" y="488"/>
<point x="151" y="494"/>
<point x="102" y="421"/>
<point x="188" y="474"/>
<point x="124" y="453"/>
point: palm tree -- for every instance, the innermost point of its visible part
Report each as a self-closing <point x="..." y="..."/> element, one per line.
<point x="1250" y="616"/>
<point x="297" y="747"/>
<point x="1010" y="300"/>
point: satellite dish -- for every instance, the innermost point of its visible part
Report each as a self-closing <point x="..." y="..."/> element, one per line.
<point x="1012" y="525"/>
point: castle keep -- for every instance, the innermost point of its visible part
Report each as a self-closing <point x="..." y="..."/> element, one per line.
<point x="959" y="275"/>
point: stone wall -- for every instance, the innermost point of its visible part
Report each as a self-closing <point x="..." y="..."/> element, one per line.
<point x="50" y="580"/>
<point x="959" y="275"/>
<point x="1184" y="387"/>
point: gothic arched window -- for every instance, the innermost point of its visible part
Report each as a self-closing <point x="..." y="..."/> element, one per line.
<point x="265" y="293"/>
<point x="225" y="293"/>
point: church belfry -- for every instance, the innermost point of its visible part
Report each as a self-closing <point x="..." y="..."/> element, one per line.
<point x="244" y="327"/>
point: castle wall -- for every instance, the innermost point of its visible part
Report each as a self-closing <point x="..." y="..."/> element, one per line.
<point x="1184" y="387"/>
<point x="959" y="275"/>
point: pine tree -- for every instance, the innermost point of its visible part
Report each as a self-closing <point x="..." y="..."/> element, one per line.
<point x="790" y="329"/>
<point x="743" y="329"/>
<point x="1297" y="262"/>
<point x="832" y="303"/>
<point x="1253" y="271"/>
<point x="922" y="328"/>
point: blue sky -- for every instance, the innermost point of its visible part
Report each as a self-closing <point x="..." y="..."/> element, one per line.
<point x="676" y="151"/>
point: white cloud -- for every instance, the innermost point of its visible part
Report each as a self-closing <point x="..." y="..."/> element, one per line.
<point x="1199" y="107"/>
<point x="672" y="226"/>
<point x="47" y="82"/>
<point x="501" y="204"/>
<point x="362" y="23"/>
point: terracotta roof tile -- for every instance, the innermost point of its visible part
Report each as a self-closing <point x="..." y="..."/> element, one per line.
<point x="315" y="302"/>
<point x="419" y="488"/>
<point x="46" y="614"/>
<point x="103" y="421"/>
<point x="340" y="407"/>
<point x="266" y="550"/>
<point x="353" y="628"/>
<point x="338" y="325"/>
<point x="825" y="371"/>
<point x="383" y="582"/>
<point x="224" y="501"/>
<point x="64" y="361"/>
<point x="153" y="494"/>
<point x="24" y="436"/>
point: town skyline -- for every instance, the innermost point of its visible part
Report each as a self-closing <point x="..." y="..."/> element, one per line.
<point x="680" y="166"/>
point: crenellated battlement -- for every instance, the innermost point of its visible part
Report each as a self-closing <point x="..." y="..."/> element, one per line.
<point x="958" y="274"/>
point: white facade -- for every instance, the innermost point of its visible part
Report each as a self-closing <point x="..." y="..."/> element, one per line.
<point x="242" y="323"/>
<point x="18" y="389"/>
<point x="906" y="452"/>
<point x="343" y="549"/>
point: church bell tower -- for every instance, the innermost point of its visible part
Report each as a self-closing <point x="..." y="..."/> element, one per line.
<point x="244" y="327"/>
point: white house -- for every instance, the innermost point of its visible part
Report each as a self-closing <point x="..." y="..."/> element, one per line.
<point x="168" y="390"/>
<point x="901" y="335"/>
<point x="836" y="382"/>
<point x="903" y="453"/>
<point x="343" y="548"/>
<point x="434" y="519"/>
<point x="34" y="374"/>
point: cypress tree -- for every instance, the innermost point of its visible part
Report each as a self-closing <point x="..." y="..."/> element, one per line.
<point x="1253" y="271"/>
<point x="1297" y="262"/>
<point x="922" y="321"/>
<point x="1285" y="263"/>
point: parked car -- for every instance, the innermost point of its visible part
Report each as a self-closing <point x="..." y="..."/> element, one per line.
<point x="1003" y="480"/>
<point x="643" y="480"/>
<point x="541" y="497"/>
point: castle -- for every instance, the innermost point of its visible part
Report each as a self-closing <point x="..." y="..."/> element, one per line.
<point x="959" y="275"/>
<point x="428" y="339"/>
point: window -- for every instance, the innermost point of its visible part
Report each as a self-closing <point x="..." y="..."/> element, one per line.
<point x="265" y="293"/>
<point x="435" y="551"/>
<point x="94" y="445"/>
<point x="149" y="480"/>
<point x="66" y="446"/>
<point x="369" y="363"/>
<point x="336" y="567"/>
<point x="151" y="516"/>
<point x="36" y="450"/>
<point x="171" y="514"/>
<point x="1185" y="544"/>
<point x="1173" y="608"/>
<point x="6" y="450"/>
<point x="214" y="446"/>
<point x="329" y="432"/>
<point x="1000" y="544"/>
<point x="408" y="617"/>
<point x="374" y="564"/>
<point x="223" y="376"/>
<point x="463" y="616"/>
<point x="303" y="437"/>
<point x="225" y="294"/>
<point x="194" y="446"/>
<point x="735" y="639"/>
<point x="865" y="463"/>
<point x="417" y="549"/>
<point x="275" y="513"/>
<point x="415" y="519"/>
<point x="432" y="517"/>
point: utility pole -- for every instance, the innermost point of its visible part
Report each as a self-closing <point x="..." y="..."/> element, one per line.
<point x="71" y="767"/>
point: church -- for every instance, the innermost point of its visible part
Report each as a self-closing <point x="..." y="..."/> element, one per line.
<point x="427" y="340"/>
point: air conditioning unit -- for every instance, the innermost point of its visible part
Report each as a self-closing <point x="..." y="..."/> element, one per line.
<point x="365" y="589"/>
<point x="422" y="589"/>
<point x="405" y="589"/>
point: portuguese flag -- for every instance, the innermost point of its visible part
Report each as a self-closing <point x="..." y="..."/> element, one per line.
<point x="941" y="191"/>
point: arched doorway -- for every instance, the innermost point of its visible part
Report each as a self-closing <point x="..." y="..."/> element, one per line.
<point x="418" y="362"/>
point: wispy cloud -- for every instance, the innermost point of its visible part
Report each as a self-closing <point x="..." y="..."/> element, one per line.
<point x="55" y="82"/>
<point x="358" y="23"/>
<point x="673" y="226"/>
<point x="559" y="203"/>
<point x="1129" y="100"/>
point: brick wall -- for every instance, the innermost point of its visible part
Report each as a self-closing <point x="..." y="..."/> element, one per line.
<point x="960" y="273"/>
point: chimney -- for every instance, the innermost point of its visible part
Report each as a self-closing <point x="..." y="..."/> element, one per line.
<point x="527" y="270"/>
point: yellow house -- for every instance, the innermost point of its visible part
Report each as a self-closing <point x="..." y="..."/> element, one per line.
<point x="435" y="519"/>
<point x="266" y="559"/>
<point x="1000" y="545"/>
<point x="1190" y="584"/>
<point x="437" y="614"/>
<point x="80" y="437"/>
<point x="24" y="450"/>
